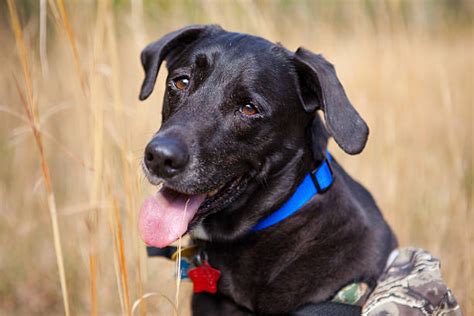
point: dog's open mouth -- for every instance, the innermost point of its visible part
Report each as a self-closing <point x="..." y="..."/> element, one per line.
<point x="168" y="214"/>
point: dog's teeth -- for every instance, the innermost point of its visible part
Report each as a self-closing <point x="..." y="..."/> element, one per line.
<point x="212" y="193"/>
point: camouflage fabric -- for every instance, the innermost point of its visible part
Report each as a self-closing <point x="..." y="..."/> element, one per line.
<point x="412" y="285"/>
<point x="353" y="294"/>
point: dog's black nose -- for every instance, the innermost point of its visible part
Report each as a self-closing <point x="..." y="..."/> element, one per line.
<point x="166" y="157"/>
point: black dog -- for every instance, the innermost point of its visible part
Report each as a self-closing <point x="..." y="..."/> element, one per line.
<point x="240" y="132"/>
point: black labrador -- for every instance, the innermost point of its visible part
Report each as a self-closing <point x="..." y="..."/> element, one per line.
<point x="240" y="131"/>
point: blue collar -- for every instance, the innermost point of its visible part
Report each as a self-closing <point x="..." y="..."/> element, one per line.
<point x="317" y="181"/>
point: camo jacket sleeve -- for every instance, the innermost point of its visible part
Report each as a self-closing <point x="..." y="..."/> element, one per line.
<point x="412" y="285"/>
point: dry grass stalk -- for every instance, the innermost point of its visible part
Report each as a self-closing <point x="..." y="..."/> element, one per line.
<point x="42" y="36"/>
<point x="107" y="45"/>
<point x="178" y="273"/>
<point x="96" y="103"/>
<point x="123" y="141"/>
<point x="116" y="229"/>
<point x="32" y="114"/>
<point x="145" y="296"/>
<point x="92" y="267"/>
<point x="72" y="41"/>
<point x="178" y="260"/>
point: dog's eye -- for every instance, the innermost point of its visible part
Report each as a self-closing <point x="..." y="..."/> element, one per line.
<point x="181" y="83"/>
<point x="248" y="109"/>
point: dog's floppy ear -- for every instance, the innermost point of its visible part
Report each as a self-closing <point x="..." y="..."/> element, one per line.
<point x="320" y="89"/>
<point x="154" y="54"/>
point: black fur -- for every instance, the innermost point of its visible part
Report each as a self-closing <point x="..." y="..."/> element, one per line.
<point x="337" y="238"/>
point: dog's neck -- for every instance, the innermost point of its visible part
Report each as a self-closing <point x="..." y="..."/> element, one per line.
<point x="268" y="195"/>
<point x="316" y="181"/>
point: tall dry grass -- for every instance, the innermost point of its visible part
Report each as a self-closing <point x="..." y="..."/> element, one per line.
<point x="407" y="66"/>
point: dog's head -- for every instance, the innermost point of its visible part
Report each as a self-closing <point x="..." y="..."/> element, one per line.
<point x="237" y="109"/>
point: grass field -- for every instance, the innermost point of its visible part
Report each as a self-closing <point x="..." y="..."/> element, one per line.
<point x="69" y="83"/>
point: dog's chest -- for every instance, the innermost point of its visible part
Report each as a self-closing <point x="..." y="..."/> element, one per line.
<point x="256" y="281"/>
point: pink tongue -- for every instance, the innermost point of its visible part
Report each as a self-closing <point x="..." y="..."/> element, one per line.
<point x="164" y="216"/>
